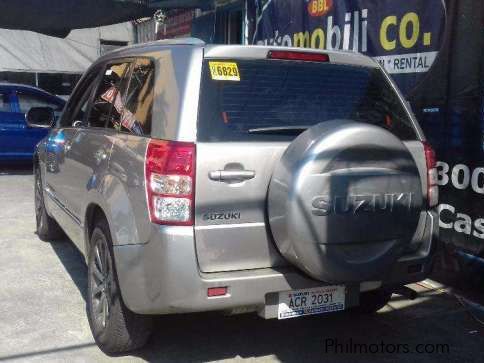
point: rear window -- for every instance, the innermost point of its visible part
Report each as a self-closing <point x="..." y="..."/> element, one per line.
<point x="291" y="94"/>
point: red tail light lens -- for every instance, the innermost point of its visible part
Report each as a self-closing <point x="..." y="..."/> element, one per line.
<point x="216" y="291"/>
<point x="430" y="156"/>
<point x="432" y="188"/>
<point x="170" y="181"/>
<point x="300" y="56"/>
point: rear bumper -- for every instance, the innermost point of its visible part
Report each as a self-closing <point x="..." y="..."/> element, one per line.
<point x="162" y="277"/>
<point x="416" y="266"/>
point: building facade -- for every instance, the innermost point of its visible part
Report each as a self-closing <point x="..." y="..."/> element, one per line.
<point x="225" y="23"/>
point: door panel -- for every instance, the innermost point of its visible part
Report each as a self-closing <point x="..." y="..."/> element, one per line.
<point x="83" y="158"/>
<point x="11" y="131"/>
<point x="85" y="163"/>
<point x="231" y="229"/>
<point x="24" y="138"/>
<point x="28" y="137"/>
<point x="64" y="157"/>
<point x="57" y="180"/>
<point x="56" y="148"/>
<point x="17" y="140"/>
<point x="76" y="161"/>
<point x="6" y="121"/>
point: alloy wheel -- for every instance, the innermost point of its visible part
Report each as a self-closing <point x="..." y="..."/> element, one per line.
<point x="101" y="278"/>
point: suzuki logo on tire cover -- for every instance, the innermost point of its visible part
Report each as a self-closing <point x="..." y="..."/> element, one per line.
<point x="324" y="205"/>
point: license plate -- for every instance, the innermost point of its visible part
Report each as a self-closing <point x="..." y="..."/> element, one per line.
<point x="318" y="300"/>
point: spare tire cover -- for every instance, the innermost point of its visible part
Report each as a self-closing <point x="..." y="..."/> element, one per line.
<point x="344" y="201"/>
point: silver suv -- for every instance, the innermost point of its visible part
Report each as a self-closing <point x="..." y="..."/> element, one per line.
<point x="196" y="177"/>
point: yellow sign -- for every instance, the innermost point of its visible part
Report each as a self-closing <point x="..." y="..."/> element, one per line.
<point x="224" y="71"/>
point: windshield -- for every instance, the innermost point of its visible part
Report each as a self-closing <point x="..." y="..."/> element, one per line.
<point x="267" y="98"/>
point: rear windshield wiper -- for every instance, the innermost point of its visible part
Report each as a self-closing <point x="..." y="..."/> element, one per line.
<point x="282" y="130"/>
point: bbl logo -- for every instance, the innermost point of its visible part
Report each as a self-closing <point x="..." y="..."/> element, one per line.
<point x="319" y="7"/>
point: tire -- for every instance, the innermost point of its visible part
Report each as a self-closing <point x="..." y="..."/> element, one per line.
<point x="46" y="227"/>
<point x="114" y="327"/>
<point x="372" y="301"/>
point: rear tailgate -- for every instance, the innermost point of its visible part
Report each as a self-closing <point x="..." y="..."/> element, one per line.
<point x="230" y="222"/>
<point x="241" y="101"/>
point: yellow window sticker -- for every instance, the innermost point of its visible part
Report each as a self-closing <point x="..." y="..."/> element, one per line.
<point x="224" y="71"/>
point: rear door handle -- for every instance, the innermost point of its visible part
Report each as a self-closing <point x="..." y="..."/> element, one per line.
<point x="231" y="175"/>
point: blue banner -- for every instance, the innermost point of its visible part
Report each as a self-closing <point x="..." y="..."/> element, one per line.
<point x="403" y="36"/>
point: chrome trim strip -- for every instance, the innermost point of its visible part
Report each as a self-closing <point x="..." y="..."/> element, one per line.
<point x="52" y="196"/>
<point x="235" y="225"/>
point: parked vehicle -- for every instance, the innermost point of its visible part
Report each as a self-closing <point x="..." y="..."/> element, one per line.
<point x="17" y="139"/>
<point x="200" y="177"/>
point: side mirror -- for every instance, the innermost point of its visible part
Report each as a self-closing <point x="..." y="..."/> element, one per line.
<point x="40" y="117"/>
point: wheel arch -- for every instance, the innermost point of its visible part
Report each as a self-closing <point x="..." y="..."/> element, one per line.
<point x="93" y="213"/>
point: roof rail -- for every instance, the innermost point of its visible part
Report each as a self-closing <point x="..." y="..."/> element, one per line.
<point x="176" y="41"/>
<point x="182" y="41"/>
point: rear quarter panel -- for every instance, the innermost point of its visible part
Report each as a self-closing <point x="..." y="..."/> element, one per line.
<point x="125" y="194"/>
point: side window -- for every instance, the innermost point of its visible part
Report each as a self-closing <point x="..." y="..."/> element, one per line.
<point x="5" y="102"/>
<point x="81" y="110"/>
<point x="76" y="108"/>
<point x="28" y="100"/>
<point x="109" y="98"/>
<point x="136" y="115"/>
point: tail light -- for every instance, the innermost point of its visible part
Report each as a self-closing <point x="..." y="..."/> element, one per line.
<point x="432" y="188"/>
<point x="170" y="182"/>
<point x="298" y="56"/>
